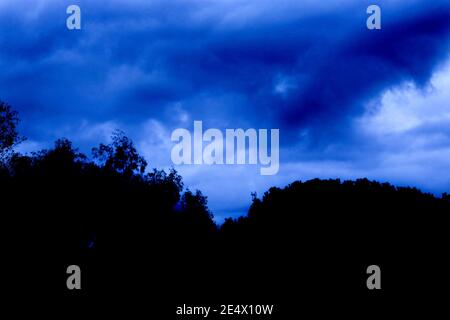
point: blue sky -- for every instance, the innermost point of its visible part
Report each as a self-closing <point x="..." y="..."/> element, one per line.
<point x="349" y="102"/>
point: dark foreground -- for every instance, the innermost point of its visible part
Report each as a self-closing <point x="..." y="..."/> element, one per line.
<point x="146" y="247"/>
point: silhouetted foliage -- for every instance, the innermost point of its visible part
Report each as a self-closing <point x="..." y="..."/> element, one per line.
<point x="199" y="221"/>
<point x="169" y="184"/>
<point x="140" y="229"/>
<point x="9" y="136"/>
<point x="120" y="155"/>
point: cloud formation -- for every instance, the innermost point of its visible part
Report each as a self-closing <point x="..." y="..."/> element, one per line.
<point x="344" y="98"/>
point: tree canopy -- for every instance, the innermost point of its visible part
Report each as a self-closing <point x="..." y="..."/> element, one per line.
<point x="9" y="137"/>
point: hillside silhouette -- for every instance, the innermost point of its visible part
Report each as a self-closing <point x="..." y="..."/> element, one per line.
<point x="133" y="231"/>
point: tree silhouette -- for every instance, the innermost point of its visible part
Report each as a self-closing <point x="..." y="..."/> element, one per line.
<point x="120" y="155"/>
<point x="9" y="136"/>
<point x="131" y="229"/>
